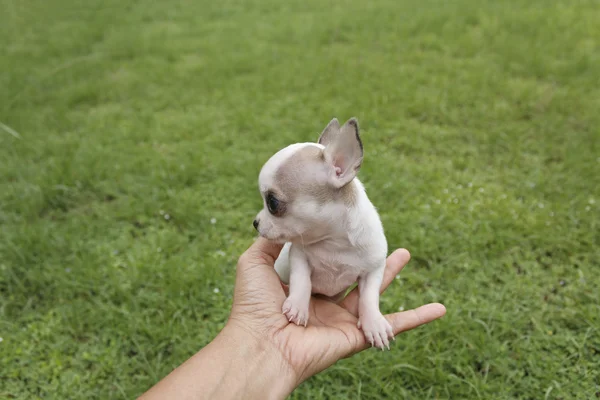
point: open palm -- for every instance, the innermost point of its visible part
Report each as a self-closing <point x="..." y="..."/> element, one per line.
<point x="331" y="333"/>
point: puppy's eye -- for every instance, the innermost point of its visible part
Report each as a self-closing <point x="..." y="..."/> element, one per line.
<point x="272" y="204"/>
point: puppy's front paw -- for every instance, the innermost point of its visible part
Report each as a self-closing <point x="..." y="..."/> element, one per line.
<point x="377" y="329"/>
<point x="296" y="310"/>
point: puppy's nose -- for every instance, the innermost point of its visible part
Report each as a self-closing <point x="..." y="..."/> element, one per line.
<point x="255" y="224"/>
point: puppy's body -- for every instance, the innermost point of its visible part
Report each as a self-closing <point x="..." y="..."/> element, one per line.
<point x="355" y="245"/>
<point x="333" y="236"/>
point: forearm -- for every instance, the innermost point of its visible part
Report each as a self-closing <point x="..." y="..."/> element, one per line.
<point x="233" y="366"/>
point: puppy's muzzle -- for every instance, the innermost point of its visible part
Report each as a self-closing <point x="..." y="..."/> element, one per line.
<point x="255" y="224"/>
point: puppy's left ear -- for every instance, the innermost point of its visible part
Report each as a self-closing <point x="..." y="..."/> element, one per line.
<point x="344" y="153"/>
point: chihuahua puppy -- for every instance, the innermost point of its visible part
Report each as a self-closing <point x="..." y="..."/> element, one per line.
<point x="332" y="234"/>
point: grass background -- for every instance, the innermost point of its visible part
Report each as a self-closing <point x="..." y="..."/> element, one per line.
<point x="133" y="133"/>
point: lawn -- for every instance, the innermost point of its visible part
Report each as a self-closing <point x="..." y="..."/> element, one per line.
<point x="132" y="134"/>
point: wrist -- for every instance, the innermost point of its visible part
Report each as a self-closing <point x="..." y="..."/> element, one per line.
<point x="258" y="369"/>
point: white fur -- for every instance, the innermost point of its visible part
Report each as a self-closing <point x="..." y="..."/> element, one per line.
<point x="355" y="244"/>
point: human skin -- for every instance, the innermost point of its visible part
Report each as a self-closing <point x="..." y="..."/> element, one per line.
<point x="259" y="354"/>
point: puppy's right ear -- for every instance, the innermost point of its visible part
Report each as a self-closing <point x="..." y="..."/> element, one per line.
<point x="329" y="133"/>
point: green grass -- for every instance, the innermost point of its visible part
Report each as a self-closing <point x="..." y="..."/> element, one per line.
<point x="481" y="126"/>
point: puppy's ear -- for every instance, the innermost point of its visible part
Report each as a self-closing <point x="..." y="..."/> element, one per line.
<point x="329" y="132"/>
<point x="343" y="152"/>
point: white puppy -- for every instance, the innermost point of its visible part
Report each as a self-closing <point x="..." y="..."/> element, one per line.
<point x="315" y="204"/>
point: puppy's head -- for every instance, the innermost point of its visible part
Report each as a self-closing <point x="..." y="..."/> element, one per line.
<point x="305" y="185"/>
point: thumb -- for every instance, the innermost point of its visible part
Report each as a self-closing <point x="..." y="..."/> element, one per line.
<point x="261" y="252"/>
<point x="407" y="320"/>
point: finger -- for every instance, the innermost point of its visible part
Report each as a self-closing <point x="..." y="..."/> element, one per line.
<point x="394" y="264"/>
<point x="407" y="320"/>
<point x="261" y="252"/>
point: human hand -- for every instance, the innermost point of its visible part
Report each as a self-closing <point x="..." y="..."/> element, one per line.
<point x="331" y="333"/>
